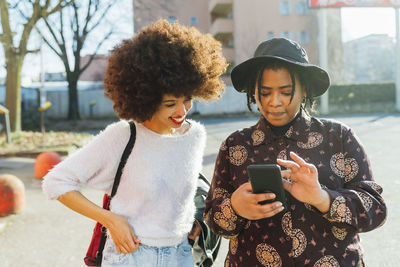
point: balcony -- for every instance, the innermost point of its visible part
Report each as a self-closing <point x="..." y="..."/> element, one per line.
<point x="220" y="7"/>
<point x="222" y="28"/>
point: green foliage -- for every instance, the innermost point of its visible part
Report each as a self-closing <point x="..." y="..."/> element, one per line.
<point x="362" y="93"/>
<point x="361" y="98"/>
<point x="28" y="143"/>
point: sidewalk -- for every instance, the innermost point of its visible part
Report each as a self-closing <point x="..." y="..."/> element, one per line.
<point x="20" y="167"/>
<point x="46" y="234"/>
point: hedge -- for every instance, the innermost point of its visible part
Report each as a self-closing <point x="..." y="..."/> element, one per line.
<point x="362" y="93"/>
<point x="371" y="97"/>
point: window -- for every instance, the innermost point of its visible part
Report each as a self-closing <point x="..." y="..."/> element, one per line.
<point x="193" y="21"/>
<point x="286" y="34"/>
<point x="171" y="19"/>
<point x="301" y="8"/>
<point x="303" y="37"/>
<point x="270" y="35"/>
<point x="285" y="7"/>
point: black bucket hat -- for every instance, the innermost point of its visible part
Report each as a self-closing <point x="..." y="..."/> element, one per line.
<point x="285" y="50"/>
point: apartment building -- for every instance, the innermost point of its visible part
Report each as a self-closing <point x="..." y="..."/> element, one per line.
<point x="96" y="69"/>
<point x="188" y="12"/>
<point x="242" y="24"/>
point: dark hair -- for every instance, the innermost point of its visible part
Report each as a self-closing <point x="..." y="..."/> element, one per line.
<point x="256" y="76"/>
<point x="161" y="59"/>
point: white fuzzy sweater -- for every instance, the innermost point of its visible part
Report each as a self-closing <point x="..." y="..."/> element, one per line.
<point x="158" y="183"/>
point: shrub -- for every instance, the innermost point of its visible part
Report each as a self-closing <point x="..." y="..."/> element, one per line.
<point x="362" y="93"/>
<point x="361" y="98"/>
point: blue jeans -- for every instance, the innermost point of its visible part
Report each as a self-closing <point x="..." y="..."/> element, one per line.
<point x="146" y="256"/>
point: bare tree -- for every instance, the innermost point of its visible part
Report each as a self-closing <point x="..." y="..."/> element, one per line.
<point x="31" y="12"/>
<point x="82" y="19"/>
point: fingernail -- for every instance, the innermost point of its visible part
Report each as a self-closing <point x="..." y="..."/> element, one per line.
<point x="279" y="205"/>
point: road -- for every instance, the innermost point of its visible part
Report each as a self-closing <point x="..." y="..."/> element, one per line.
<point x="46" y="234"/>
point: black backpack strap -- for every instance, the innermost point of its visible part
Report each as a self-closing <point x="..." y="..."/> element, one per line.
<point x="206" y="246"/>
<point x="204" y="179"/>
<point x="124" y="158"/>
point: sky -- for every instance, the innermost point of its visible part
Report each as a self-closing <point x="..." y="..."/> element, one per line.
<point x="123" y="29"/>
<point x="356" y="22"/>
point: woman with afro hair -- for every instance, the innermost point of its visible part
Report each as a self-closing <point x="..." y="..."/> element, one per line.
<point x="151" y="80"/>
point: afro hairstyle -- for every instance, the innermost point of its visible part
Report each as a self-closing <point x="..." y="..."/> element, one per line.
<point x="163" y="58"/>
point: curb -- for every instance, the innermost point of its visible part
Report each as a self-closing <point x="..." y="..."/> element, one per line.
<point x="28" y="154"/>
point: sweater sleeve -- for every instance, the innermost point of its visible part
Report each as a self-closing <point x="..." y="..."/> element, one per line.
<point x="359" y="203"/>
<point x="219" y="214"/>
<point x="93" y="165"/>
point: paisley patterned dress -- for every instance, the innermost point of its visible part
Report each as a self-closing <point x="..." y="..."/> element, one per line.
<point x="301" y="236"/>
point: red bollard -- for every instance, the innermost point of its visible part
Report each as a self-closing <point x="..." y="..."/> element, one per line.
<point x="12" y="195"/>
<point x="44" y="162"/>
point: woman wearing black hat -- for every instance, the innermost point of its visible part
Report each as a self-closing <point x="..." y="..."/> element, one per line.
<point x="331" y="195"/>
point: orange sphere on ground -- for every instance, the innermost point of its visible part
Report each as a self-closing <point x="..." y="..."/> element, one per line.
<point x="12" y="195"/>
<point x="44" y="162"/>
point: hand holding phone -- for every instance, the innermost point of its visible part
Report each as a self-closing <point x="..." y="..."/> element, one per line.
<point x="266" y="178"/>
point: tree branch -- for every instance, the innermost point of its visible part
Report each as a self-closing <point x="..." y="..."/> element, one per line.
<point x="33" y="51"/>
<point x="58" y="7"/>
<point x="60" y="41"/>
<point x="88" y="16"/>
<point x="17" y="4"/>
<point x="47" y="41"/>
<point x="107" y="36"/>
<point x="6" y="37"/>
<point x="75" y="29"/>
<point x="29" y="25"/>
<point x="103" y="15"/>
<point x="21" y="12"/>
<point x="62" y="28"/>
<point x="63" y="45"/>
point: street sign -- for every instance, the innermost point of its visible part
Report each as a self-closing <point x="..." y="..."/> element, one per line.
<point x="353" y="3"/>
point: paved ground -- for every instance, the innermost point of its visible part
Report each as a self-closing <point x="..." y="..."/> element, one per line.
<point x="46" y="234"/>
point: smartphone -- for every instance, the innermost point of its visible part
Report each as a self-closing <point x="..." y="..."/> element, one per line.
<point x="266" y="178"/>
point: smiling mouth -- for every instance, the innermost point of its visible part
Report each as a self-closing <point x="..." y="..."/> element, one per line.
<point x="178" y="121"/>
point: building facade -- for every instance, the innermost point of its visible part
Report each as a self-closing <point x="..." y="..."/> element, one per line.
<point x="189" y="12"/>
<point x="95" y="71"/>
<point x="241" y="25"/>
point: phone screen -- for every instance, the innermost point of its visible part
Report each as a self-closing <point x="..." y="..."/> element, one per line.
<point x="266" y="178"/>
